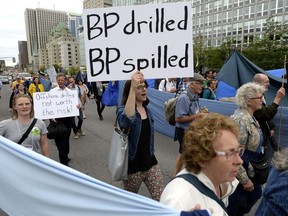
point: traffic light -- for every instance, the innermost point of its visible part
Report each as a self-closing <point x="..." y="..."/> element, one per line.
<point x="13" y="59"/>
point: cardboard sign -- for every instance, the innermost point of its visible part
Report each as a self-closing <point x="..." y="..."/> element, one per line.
<point x="55" y="104"/>
<point x="153" y="38"/>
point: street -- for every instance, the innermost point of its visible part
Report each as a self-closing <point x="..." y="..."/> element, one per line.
<point x="89" y="153"/>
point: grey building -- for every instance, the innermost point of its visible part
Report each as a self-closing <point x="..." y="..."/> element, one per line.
<point x="23" y="54"/>
<point x="97" y="3"/>
<point x="74" y="23"/>
<point x="86" y="5"/>
<point x="38" y="24"/>
<point x="61" y="49"/>
<point x="238" y="20"/>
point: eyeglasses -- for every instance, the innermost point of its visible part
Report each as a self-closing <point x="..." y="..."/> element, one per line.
<point x="260" y="98"/>
<point x="141" y="86"/>
<point x="232" y="154"/>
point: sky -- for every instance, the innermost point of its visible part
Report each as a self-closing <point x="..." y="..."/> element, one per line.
<point x="12" y="22"/>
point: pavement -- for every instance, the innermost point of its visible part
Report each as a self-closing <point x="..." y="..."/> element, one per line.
<point x="89" y="153"/>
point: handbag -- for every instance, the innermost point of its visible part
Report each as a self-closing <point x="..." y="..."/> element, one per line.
<point x="25" y="135"/>
<point x="56" y="130"/>
<point x="110" y="95"/>
<point x="118" y="156"/>
<point x="261" y="165"/>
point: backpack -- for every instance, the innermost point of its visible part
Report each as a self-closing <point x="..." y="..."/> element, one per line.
<point x="169" y="109"/>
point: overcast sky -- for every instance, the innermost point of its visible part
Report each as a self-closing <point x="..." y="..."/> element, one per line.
<point x="12" y="21"/>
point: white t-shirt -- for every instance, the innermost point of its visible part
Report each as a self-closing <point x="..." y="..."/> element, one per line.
<point x="169" y="85"/>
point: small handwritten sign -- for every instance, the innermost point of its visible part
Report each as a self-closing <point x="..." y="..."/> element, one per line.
<point x="55" y="104"/>
<point x="153" y="38"/>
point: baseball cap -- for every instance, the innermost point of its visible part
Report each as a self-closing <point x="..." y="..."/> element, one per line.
<point x="197" y="77"/>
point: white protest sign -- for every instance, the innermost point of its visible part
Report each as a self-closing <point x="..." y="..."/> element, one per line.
<point x="52" y="75"/>
<point x="55" y="104"/>
<point x="153" y="38"/>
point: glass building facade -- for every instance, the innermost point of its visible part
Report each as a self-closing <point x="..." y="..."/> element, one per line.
<point x="238" y="20"/>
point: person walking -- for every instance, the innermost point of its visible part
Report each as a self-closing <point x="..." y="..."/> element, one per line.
<point x="35" y="86"/>
<point x="77" y="129"/>
<point x="84" y="91"/>
<point x="19" y="89"/>
<point x="187" y="110"/>
<point x="266" y="114"/>
<point x="63" y="142"/>
<point x="249" y="98"/>
<point x="98" y="90"/>
<point x="135" y="118"/>
<point x="211" y="155"/>
<point x="0" y="87"/>
<point x="22" y="116"/>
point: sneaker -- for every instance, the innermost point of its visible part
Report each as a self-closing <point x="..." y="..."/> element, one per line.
<point x="82" y="133"/>
<point x="101" y="118"/>
<point x="76" y="136"/>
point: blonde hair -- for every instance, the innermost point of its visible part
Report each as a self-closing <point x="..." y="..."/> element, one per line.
<point x="14" y="113"/>
<point x="247" y="91"/>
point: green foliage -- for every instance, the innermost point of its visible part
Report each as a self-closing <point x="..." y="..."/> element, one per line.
<point x="267" y="53"/>
<point x="42" y="68"/>
<point x="72" y="71"/>
<point x="57" y="67"/>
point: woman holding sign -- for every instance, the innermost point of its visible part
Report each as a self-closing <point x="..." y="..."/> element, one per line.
<point x="22" y="117"/>
<point x="134" y="117"/>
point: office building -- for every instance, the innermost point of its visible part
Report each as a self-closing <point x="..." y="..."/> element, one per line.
<point x="240" y="21"/>
<point x="23" y="54"/>
<point x="61" y="49"/>
<point x="97" y="3"/>
<point x="74" y="23"/>
<point x="87" y="4"/>
<point x="38" y="24"/>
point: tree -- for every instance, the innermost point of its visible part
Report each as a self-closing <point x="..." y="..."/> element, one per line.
<point x="42" y="68"/>
<point x="199" y="53"/>
<point x="269" y="52"/>
<point x="57" y="67"/>
<point x="72" y="71"/>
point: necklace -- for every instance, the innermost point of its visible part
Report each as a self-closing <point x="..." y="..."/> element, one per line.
<point x="19" y="130"/>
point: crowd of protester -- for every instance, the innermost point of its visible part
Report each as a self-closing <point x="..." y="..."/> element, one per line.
<point x="214" y="149"/>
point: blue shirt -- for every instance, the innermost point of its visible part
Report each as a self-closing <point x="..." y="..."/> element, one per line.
<point x="186" y="107"/>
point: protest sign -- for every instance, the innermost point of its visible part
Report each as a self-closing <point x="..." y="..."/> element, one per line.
<point x="153" y="38"/>
<point x="55" y="104"/>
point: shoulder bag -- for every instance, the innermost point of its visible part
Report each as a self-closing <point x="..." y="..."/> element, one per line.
<point x="202" y="188"/>
<point x="56" y="130"/>
<point x="25" y="135"/>
<point x="118" y="156"/>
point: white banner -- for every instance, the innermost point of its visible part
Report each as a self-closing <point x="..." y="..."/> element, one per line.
<point x="31" y="184"/>
<point x="55" y="104"/>
<point x="153" y="38"/>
